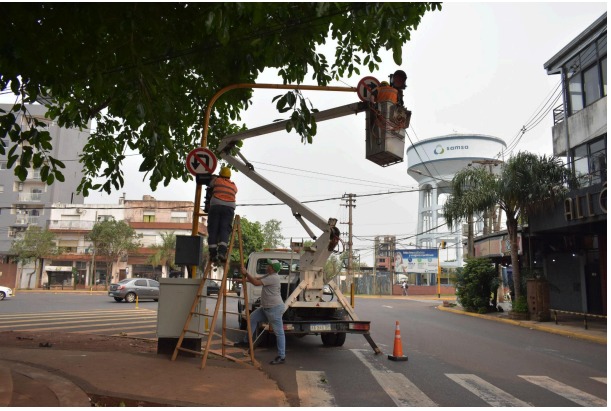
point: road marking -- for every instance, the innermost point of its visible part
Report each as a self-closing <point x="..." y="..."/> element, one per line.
<point x="573" y="394"/>
<point x="47" y="319"/>
<point x="51" y="314"/>
<point x="401" y="390"/>
<point x="67" y="325"/>
<point x="313" y="390"/>
<point x="600" y="379"/>
<point x="489" y="393"/>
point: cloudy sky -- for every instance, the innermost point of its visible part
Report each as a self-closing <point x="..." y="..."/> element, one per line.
<point x="472" y="68"/>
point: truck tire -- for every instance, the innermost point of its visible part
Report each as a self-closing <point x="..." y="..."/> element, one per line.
<point x="333" y="339"/>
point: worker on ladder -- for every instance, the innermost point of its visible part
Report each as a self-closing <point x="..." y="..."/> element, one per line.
<point x="220" y="216"/>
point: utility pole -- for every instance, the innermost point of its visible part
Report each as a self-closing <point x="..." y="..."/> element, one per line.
<point x="350" y="200"/>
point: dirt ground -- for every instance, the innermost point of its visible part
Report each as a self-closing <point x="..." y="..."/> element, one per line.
<point x="73" y="341"/>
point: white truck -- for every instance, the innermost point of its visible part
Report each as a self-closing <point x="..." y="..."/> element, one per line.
<point x="313" y="305"/>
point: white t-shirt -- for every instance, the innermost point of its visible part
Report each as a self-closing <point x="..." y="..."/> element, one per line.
<point x="270" y="293"/>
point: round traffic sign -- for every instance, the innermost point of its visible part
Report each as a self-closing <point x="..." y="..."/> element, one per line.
<point x="201" y="161"/>
<point x="365" y="87"/>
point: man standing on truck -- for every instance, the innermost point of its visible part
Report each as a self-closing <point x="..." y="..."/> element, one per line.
<point x="272" y="307"/>
<point x="220" y="217"/>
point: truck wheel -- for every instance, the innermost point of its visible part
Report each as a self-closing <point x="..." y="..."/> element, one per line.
<point x="333" y="339"/>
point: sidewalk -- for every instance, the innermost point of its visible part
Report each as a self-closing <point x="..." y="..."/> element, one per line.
<point x="34" y="376"/>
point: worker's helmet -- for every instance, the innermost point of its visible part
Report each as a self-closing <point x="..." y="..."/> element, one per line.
<point x="225" y="172"/>
<point x="275" y="265"/>
<point x="384" y="83"/>
<point x="398" y="79"/>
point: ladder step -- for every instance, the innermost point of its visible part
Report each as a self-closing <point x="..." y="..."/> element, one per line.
<point x="196" y="332"/>
<point x="188" y="350"/>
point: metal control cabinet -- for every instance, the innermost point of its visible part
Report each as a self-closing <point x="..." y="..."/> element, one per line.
<point x="176" y="297"/>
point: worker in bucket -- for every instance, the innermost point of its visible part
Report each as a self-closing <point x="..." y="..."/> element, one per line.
<point x="271" y="309"/>
<point x="220" y="216"/>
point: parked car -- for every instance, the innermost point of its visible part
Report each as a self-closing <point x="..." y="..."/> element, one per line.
<point x="5" y="292"/>
<point x="212" y="287"/>
<point x="130" y="288"/>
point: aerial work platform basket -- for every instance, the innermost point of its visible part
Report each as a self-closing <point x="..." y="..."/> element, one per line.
<point x="385" y="134"/>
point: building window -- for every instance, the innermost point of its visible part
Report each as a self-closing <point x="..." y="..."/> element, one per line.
<point x="179" y="217"/>
<point x="590" y="162"/>
<point x="587" y="75"/>
<point x="2" y="165"/>
<point x="148" y="218"/>
<point x="426" y="198"/>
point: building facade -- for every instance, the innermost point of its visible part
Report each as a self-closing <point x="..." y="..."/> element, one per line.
<point x="25" y="203"/>
<point x="571" y="239"/>
<point x="151" y="220"/>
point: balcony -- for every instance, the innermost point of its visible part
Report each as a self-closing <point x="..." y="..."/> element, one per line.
<point x="71" y="225"/>
<point x="27" y="220"/>
<point x="30" y="197"/>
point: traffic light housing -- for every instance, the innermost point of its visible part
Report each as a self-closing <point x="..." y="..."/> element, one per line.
<point x="443" y="245"/>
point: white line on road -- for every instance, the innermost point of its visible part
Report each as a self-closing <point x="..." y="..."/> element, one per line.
<point x="600" y="379"/>
<point x="573" y="394"/>
<point x="313" y="389"/>
<point x="489" y="393"/>
<point x="401" y="390"/>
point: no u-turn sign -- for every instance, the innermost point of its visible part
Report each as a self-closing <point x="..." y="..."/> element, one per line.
<point x="201" y="161"/>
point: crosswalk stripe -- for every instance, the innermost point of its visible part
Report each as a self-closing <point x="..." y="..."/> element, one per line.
<point x="60" y="326"/>
<point x="312" y="389"/>
<point x="400" y="389"/>
<point x="573" y="394"/>
<point x="52" y="314"/>
<point x="600" y="379"/>
<point x="489" y="393"/>
<point x="17" y="321"/>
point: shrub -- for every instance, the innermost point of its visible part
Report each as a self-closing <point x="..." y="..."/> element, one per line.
<point x="475" y="283"/>
<point x="520" y="305"/>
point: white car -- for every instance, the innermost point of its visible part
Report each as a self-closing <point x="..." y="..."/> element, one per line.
<point x="5" y="292"/>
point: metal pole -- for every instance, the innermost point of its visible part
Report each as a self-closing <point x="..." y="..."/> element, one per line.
<point x="439" y="271"/>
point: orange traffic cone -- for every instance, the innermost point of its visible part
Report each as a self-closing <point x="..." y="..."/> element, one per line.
<point x="397" y="352"/>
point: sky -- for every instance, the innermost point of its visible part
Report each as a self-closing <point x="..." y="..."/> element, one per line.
<point x="471" y="68"/>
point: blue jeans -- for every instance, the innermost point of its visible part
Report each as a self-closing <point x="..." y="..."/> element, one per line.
<point x="220" y="220"/>
<point x="274" y="318"/>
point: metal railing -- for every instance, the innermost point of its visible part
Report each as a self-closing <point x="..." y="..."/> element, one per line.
<point x="71" y="225"/>
<point x="558" y="114"/>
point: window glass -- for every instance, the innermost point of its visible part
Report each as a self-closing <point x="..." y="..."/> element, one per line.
<point x="575" y="94"/>
<point x="140" y="283"/>
<point x="153" y="283"/>
<point x="581" y="164"/>
<point x="591" y="85"/>
<point x="286" y="266"/>
<point x="603" y="69"/>
<point x="588" y="56"/>
<point x="598" y="161"/>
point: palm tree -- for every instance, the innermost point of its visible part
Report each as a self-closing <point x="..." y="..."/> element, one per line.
<point x="527" y="183"/>
<point x="472" y="193"/>
<point x="164" y="252"/>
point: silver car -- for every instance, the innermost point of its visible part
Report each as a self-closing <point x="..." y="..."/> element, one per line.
<point x="5" y="292"/>
<point x="132" y="288"/>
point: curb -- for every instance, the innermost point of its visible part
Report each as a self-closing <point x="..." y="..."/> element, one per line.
<point x="530" y="325"/>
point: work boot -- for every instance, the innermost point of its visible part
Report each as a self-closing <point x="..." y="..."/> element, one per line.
<point x="277" y="360"/>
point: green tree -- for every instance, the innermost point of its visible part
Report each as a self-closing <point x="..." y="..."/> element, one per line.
<point x="527" y="184"/>
<point x="113" y="240"/>
<point x="472" y="192"/>
<point x="272" y="234"/>
<point x="164" y="252"/>
<point x="145" y="73"/>
<point x="253" y="239"/>
<point x="35" y="244"/>
<point x="475" y="283"/>
<point x="332" y="268"/>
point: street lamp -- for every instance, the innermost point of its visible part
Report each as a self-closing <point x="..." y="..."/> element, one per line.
<point x="442" y="246"/>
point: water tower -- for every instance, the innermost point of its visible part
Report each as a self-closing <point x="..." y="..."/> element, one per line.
<point x="433" y="163"/>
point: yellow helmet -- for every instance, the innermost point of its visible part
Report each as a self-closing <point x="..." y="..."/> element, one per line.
<point x="384" y="83"/>
<point x="225" y="172"/>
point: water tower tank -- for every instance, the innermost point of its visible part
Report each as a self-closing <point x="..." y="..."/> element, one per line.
<point x="433" y="163"/>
